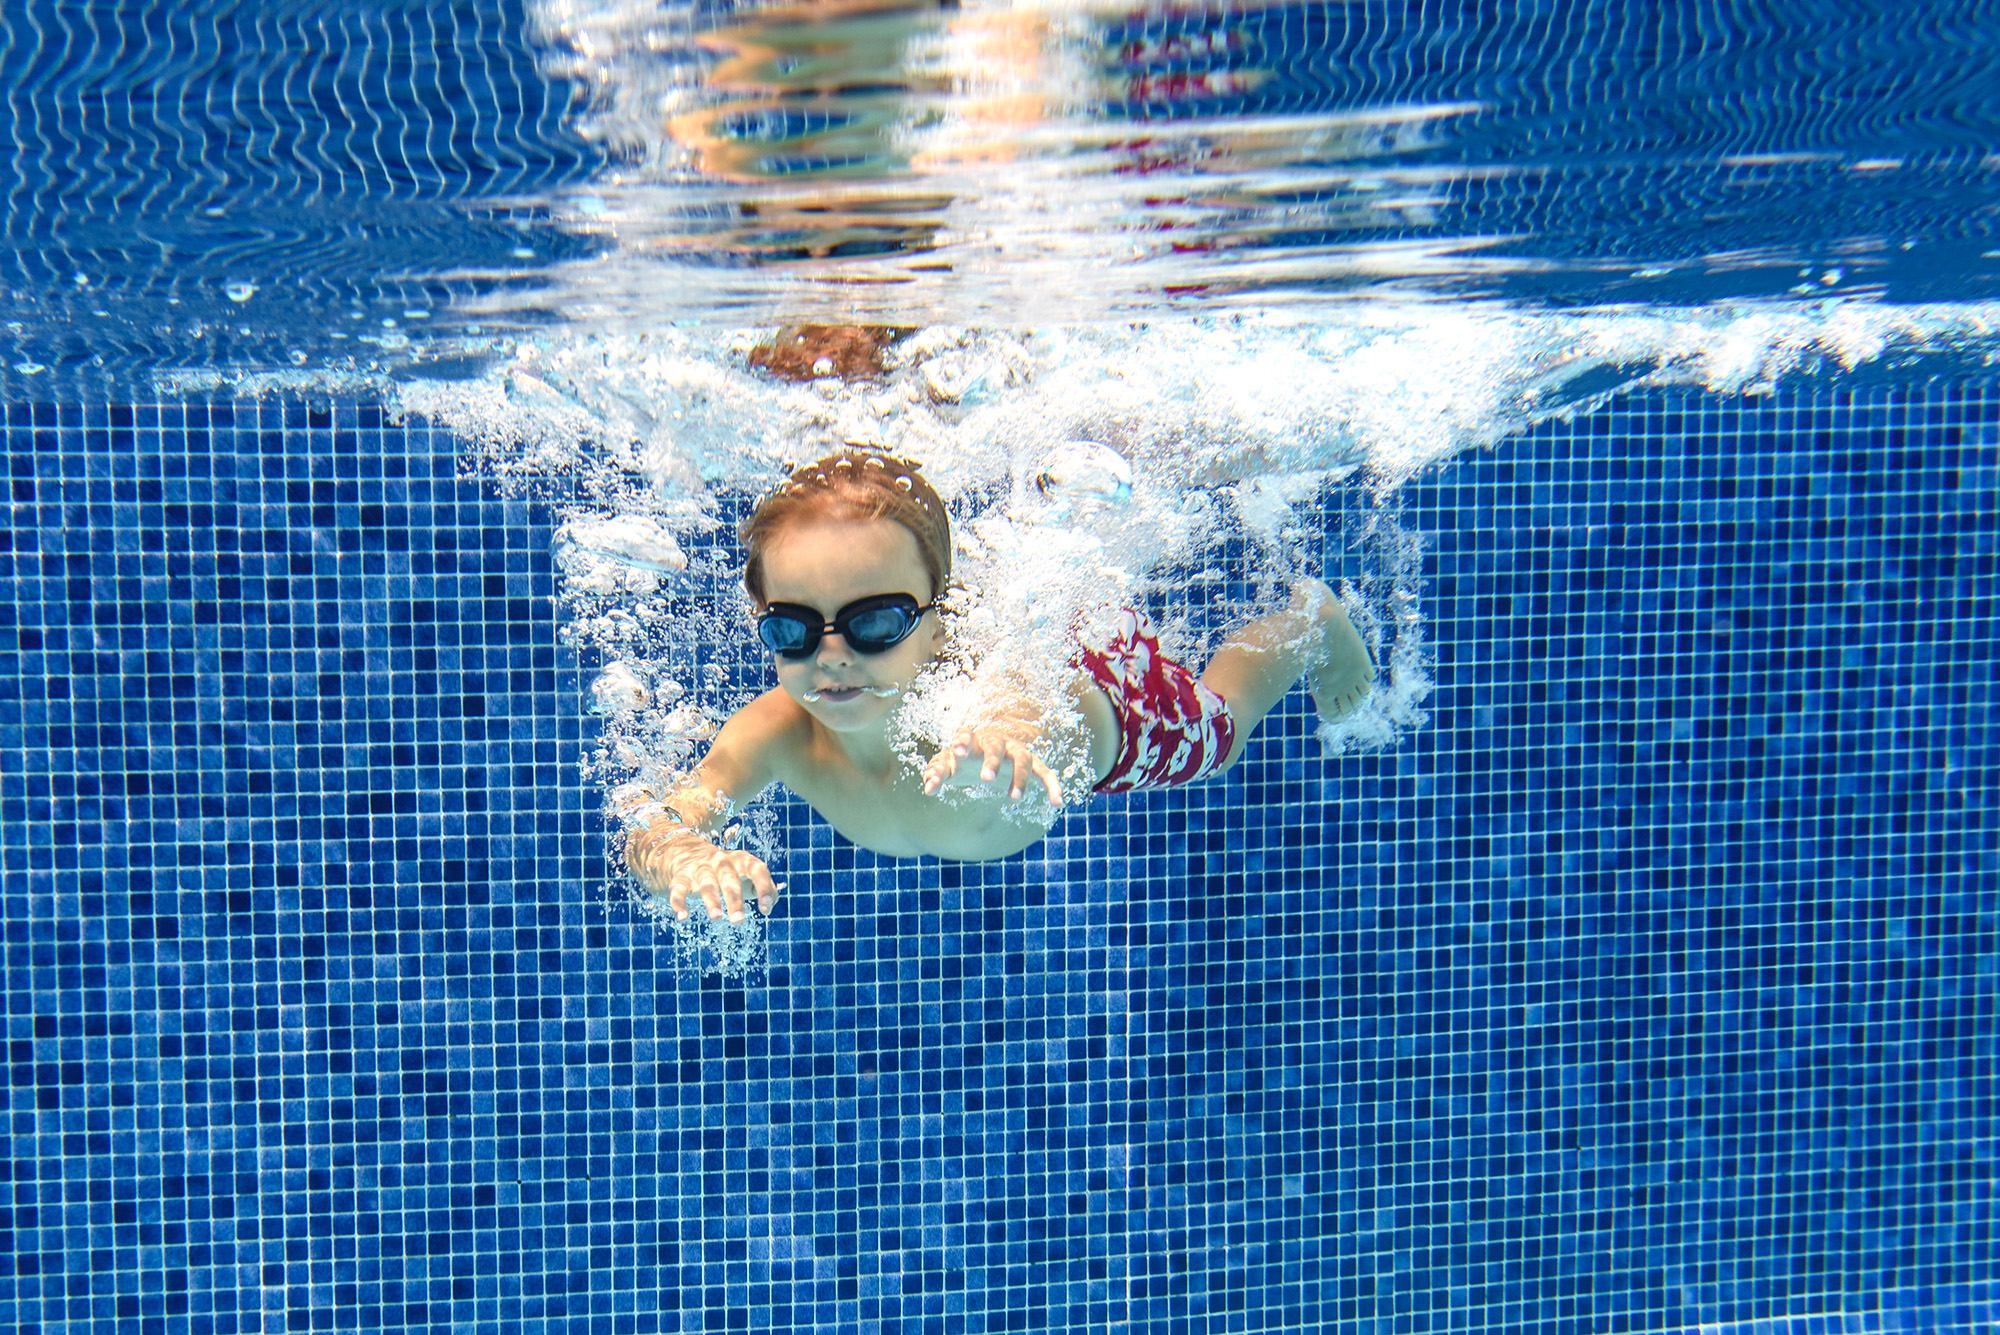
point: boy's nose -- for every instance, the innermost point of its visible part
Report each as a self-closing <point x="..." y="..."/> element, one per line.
<point x="833" y="649"/>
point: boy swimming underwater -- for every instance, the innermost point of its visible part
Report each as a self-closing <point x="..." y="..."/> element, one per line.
<point x="848" y="563"/>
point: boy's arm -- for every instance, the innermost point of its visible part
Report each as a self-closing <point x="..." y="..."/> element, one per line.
<point x="741" y="762"/>
<point x="671" y="847"/>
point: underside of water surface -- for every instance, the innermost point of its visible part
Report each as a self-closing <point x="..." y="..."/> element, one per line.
<point x="351" y="187"/>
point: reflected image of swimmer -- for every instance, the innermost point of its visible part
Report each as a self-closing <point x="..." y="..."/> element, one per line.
<point x="847" y="563"/>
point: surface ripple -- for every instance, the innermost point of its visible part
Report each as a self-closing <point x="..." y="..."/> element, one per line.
<point x="335" y="182"/>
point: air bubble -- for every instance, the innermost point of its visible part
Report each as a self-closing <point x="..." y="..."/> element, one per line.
<point x="638" y="541"/>
<point x="617" y="690"/>
<point x="689" y="723"/>
<point x="239" y="292"/>
<point x="1084" y="471"/>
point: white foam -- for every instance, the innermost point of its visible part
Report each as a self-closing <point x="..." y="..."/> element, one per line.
<point x="1109" y="448"/>
<point x="1384" y="388"/>
<point x="1080" y="475"/>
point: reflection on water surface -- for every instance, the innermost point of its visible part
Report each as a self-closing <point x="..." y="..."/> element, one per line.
<point x="903" y="163"/>
<point x="388" y="185"/>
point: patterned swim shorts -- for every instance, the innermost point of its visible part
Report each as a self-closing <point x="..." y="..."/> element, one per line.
<point x="1172" y="729"/>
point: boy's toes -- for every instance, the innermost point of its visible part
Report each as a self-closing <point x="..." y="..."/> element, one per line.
<point x="1344" y="674"/>
<point x="1336" y="704"/>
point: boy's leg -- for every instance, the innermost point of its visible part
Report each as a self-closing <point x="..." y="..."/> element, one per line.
<point x="1311" y="638"/>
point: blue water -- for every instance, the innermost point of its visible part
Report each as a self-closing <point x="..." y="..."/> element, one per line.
<point x="1650" y="987"/>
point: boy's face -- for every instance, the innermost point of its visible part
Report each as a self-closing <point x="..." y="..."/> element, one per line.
<point x="825" y="564"/>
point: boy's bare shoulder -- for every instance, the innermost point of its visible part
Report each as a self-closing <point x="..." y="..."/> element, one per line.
<point x="760" y="743"/>
<point x="772" y="720"/>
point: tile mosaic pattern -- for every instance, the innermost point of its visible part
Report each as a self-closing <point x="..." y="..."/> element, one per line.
<point x="1651" y="988"/>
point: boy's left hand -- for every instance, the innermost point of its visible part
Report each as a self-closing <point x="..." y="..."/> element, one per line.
<point x="993" y="759"/>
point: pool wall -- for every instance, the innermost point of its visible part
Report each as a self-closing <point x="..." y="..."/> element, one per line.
<point x="1651" y="987"/>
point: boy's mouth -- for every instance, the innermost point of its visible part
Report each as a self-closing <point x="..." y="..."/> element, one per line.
<point x="838" y="694"/>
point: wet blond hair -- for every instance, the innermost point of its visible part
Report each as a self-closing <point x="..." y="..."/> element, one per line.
<point x="856" y="484"/>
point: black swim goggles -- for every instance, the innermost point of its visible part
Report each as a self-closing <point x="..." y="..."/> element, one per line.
<point x="869" y="625"/>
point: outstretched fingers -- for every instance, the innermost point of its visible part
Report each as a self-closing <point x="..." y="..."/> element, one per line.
<point x="992" y="751"/>
<point x="939" y="769"/>
<point x="943" y="766"/>
<point x="1026" y="762"/>
<point x="689" y="868"/>
<point x="731" y="880"/>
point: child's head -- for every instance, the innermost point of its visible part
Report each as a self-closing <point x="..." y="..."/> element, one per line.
<point x="859" y="485"/>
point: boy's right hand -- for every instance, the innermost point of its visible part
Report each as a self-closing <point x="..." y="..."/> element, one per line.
<point x="997" y="758"/>
<point x="674" y="861"/>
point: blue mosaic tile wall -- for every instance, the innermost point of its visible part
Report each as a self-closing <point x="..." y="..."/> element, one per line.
<point x="1651" y="987"/>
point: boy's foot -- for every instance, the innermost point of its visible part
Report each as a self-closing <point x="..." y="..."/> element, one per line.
<point x="1341" y="674"/>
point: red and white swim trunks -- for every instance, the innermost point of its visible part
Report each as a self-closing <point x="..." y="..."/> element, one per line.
<point x="1172" y="730"/>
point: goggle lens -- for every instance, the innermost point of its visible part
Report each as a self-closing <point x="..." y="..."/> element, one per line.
<point x="869" y="625"/>
<point x="783" y="635"/>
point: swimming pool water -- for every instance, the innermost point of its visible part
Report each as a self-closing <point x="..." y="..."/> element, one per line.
<point x="1652" y="987"/>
